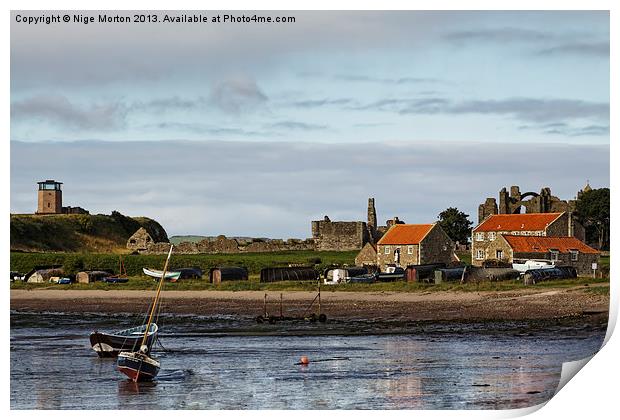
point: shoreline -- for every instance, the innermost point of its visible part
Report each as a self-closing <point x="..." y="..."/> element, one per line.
<point x="529" y="304"/>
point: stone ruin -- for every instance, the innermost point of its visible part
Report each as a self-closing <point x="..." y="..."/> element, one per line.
<point x="224" y="245"/>
<point x="140" y="241"/>
<point x="349" y="236"/>
<point x="326" y="236"/>
<point x="515" y="201"/>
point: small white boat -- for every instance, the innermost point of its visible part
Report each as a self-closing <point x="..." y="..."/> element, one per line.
<point x="531" y="264"/>
<point x="170" y="275"/>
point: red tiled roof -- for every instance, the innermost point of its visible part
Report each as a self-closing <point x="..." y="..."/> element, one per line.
<point x="405" y="234"/>
<point x="545" y="243"/>
<point x="517" y="222"/>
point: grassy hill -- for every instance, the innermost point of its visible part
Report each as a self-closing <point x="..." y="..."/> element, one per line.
<point x="78" y="232"/>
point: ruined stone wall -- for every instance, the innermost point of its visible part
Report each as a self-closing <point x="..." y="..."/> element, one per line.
<point x="140" y="240"/>
<point x="436" y="247"/>
<point x="223" y="245"/>
<point x="510" y="202"/>
<point x="339" y="236"/>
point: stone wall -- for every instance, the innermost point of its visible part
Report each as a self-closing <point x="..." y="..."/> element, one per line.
<point x="140" y="240"/>
<point x="511" y="203"/>
<point x="559" y="227"/>
<point x="367" y="256"/>
<point x="436" y="247"/>
<point x="223" y="245"/>
<point x="490" y="249"/>
<point x="339" y="236"/>
<point x="408" y="255"/>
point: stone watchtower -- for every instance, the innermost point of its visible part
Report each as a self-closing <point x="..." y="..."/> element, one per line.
<point x="371" y="224"/>
<point x="49" y="197"/>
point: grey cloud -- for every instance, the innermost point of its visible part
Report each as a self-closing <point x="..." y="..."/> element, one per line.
<point x="237" y="94"/>
<point x="565" y="129"/>
<point x="390" y="81"/>
<point x="203" y="129"/>
<point x="536" y="110"/>
<point x="498" y="35"/>
<point x="548" y="44"/>
<point x="316" y="103"/>
<point x="276" y="189"/>
<point x="595" y="49"/>
<point x="166" y="104"/>
<point x="297" y="125"/>
<point x="523" y="109"/>
<point x="408" y="106"/>
<point x="58" y="110"/>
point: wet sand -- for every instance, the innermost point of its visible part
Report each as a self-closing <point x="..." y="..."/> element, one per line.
<point x="534" y="304"/>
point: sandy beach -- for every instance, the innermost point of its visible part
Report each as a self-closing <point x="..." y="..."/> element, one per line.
<point x="532" y="303"/>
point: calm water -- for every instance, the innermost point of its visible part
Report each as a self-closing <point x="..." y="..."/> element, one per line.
<point x="231" y="363"/>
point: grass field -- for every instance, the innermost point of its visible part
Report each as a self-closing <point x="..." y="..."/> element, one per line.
<point x="142" y="283"/>
<point x="254" y="262"/>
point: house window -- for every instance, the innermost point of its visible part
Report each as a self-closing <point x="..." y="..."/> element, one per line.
<point x="480" y="236"/>
<point x="491" y="236"/>
<point x="480" y="254"/>
<point x="554" y="254"/>
<point x="499" y="254"/>
<point x="410" y="249"/>
<point x="387" y="250"/>
<point x="574" y="255"/>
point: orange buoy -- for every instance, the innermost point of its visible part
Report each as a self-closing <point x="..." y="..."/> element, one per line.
<point x="304" y="360"/>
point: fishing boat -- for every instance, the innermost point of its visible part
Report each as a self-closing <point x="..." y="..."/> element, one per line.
<point x="111" y="344"/>
<point x="139" y="365"/>
<point x="157" y="274"/>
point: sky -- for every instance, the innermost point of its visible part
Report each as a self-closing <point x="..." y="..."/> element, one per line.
<point x="253" y="129"/>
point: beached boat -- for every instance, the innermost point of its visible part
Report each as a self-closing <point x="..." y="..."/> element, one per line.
<point x="113" y="279"/>
<point x="172" y="275"/>
<point x="532" y="265"/>
<point x="121" y="277"/>
<point x="111" y="344"/>
<point x="139" y="365"/>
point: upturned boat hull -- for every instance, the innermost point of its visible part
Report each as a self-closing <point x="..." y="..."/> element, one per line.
<point x="137" y="366"/>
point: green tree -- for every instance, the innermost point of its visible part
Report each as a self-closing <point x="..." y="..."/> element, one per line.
<point x="456" y="224"/>
<point x="592" y="211"/>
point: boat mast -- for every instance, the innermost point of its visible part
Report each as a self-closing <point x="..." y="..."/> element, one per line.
<point x="161" y="282"/>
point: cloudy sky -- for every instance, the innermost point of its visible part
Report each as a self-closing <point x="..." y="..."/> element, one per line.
<point x="255" y="129"/>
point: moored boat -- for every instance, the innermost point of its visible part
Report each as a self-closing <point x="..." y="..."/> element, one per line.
<point x="111" y="344"/>
<point x="139" y="365"/>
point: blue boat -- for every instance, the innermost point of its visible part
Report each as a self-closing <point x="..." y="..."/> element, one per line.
<point x="113" y="279"/>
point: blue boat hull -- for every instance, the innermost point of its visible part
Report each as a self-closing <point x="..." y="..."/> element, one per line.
<point x="137" y="366"/>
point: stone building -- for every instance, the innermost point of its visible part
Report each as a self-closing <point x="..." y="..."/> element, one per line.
<point x="367" y="256"/>
<point x="533" y="224"/>
<point x="49" y="199"/>
<point x="560" y="250"/>
<point x="140" y="241"/>
<point x="405" y="245"/>
<point x="516" y="202"/>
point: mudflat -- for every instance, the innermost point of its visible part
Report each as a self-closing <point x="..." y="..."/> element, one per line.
<point x="522" y="304"/>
